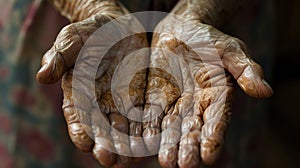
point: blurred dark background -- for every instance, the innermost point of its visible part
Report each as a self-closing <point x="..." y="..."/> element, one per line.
<point x="278" y="24"/>
<point x="284" y="114"/>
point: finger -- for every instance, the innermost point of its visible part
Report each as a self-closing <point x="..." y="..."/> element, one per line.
<point x="113" y="100"/>
<point x="130" y="101"/>
<point x="215" y="105"/>
<point x="171" y="58"/>
<point x="137" y="144"/>
<point x="189" y="147"/>
<point x="188" y="155"/>
<point x="166" y="81"/>
<point x="63" y="54"/>
<point x="213" y="97"/>
<point x="136" y="140"/>
<point x="171" y="128"/>
<point x="77" y="118"/>
<point x="162" y="92"/>
<point x="104" y="149"/>
<point x="137" y="89"/>
<point x="105" y="144"/>
<point x="168" y="151"/>
<point x="119" y="134"/>
<point x="248" y="73"/>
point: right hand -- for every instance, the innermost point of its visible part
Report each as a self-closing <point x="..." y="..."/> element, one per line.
<point x="86" y="124"/>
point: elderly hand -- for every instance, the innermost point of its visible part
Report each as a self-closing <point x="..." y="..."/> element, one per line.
<point x="185" y="95"/>
<point x="190" y="89"/>
<point x="86" y="122"/>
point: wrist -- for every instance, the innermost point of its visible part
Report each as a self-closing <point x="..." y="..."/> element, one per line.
<point x="77" y="10"/>
<point x="212" y="12"/>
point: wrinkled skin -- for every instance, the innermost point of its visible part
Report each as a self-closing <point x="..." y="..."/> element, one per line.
<point x="187" y="96"/>
<point x="86" y="124"/>
<point x="195" y="108"/>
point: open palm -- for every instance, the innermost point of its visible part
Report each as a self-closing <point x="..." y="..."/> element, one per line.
<point x="190" y="89"/>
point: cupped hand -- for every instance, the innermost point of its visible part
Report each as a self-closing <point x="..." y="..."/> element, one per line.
<point x="190" y="87"/>
<point x="86" y="122"/>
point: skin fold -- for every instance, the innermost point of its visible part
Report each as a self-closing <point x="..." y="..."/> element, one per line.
<point x="184" y="98"/>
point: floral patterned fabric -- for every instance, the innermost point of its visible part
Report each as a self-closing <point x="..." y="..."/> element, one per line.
<point x="33" y="132"/>
<point x="32" y="129"/>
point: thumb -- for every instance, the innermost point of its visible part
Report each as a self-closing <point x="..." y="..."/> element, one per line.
<point x="249" y="74"/>
<point x="63" y="53"/>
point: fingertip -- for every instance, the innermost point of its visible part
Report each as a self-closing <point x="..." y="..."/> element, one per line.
<point x="189" y="152"/>
<point x="168" y="157"/>
<point x="247" y="72"/>
<point x="41" y="75"/>
<point x="53" y="68"/>
<point x="210" y="150"/>
<point x="255" y="87"/>
<point x="103" y="156"/>
<point x="104" y="149"/>
<point x="137" y="146"/>
<point x="152" y="140"/>
<point x="122" y="162"/>
<point x="79" y="134"/>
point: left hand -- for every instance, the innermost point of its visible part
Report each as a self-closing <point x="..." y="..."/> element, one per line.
<point x="190" y="89"/>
